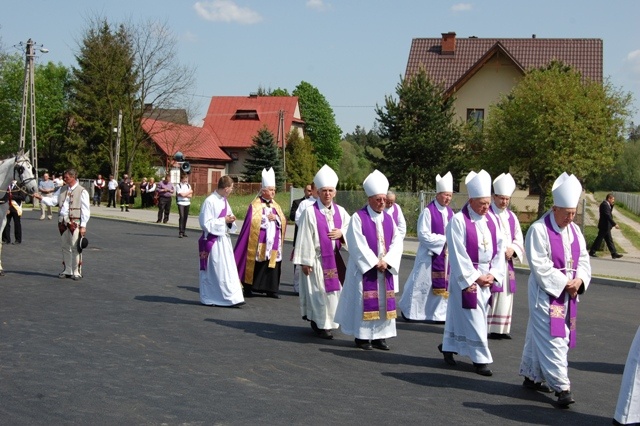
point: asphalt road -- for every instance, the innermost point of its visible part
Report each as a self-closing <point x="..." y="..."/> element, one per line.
<point x="131" y="344"/>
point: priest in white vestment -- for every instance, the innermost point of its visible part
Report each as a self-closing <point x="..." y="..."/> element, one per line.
<point x="476" y="265"/>
<point x="366" y="309"/>
<point x="560" y="270"/>
<point x="513" y="250"/>
<point x="394" y="210"/>
<point x="628" y="407"/>
<point x="219" y="281"/>
<point x="425" y="294"/>
<point x="320" y="236"/>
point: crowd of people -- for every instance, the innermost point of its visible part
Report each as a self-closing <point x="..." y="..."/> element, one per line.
<point x="463" y="275"/>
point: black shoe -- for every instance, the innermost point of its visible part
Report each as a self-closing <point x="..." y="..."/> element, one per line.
<point x="380" y="344"/>
<point x="184" y="235"/>
<point x="364" y="344"/>
<point x="448" y="356"/>
<point x="616" y="256"/>
<point x="2" y="273"/>
<point x="126" y="210"/>
<point x="121" y="209"/>
<point x="273" y="295"/>
<point x="483" y="370"/>
<point x="565" y="398"/>
<point x="506" y="336"/>
<point x="494" y="336"/>
<point x="165" y="221"/>
<point x="593" y="254"/>
<point x="540" y="387"/>
<point x="238" y="305"/>
<point x="325" y="334"/>
<point x="179" y="235"/>
<point x="315" y="328"/>
<point x="62" y="275"/>
<point x="247" y="292"/>
<point x="158" y="221"/>
<point x="17" y="242"/>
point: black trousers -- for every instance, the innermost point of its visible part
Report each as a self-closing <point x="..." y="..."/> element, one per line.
<point x="603" y="234"/>
<point x="112" y="198"/>
<point x="164" y="207"/>
<point x="184" y="215"/>
<point x="97" y="195"/>
<point x="6" y="234"/>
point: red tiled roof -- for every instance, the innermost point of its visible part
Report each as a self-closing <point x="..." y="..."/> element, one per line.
<point x="193" y="142"/>
<point x="584" y="55"/>
<point x="239" y="133"/>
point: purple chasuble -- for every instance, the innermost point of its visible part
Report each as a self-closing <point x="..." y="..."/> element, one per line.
<point x="557" y="314"/>
<point x="438" y="267"/>
<point x="328" y="259"/>
<point x="206" y="244"/>
<point x="371" y="309"/>
<point x="510" y="269"/>
<point x="470" y="299"/>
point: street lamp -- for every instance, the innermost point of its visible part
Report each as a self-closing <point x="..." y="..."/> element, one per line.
<point x="29" y="93"/>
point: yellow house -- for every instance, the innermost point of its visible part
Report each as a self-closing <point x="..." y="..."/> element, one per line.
<point x="478" y="70"/>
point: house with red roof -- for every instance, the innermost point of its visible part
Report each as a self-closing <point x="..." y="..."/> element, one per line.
<point x="236" y="120"/>
<point x="199" y="146"/>
<point x="477" y="71"/>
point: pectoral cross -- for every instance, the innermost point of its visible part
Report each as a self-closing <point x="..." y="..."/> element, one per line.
<point x="569" y="265"/>
<point x="484" y="243"/>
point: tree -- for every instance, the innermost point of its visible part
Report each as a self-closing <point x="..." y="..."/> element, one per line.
<point x="52" y="108"/>
<point x="553" y="121"/>
<point x="320" y="124"/>
<point x="419" y="132"/>
<point x="264" y="154"/>
<point x="301" y="161"/>
<point x="133" y="68"/>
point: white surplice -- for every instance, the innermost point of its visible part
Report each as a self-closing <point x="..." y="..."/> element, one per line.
<point x="465" y="330"/>
<point x="362" y="259"/>
<point x="628" y="407"/>
<point x="401" y="224"/>
<point x="418" y="301"/>
<point x="544" y="358"/>
<point x="219" y="284"/>
<point x="502" y="304"/>
<point x="315" y="303"/>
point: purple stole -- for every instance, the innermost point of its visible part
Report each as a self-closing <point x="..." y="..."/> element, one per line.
<point x="557" y="314"/>
<point x="470" y="299"/>
<point x="328" y="255"/>
<point x="395" y="215"/>
<point x="510" y="269"/>
<point x="371" y="310"/>
<point x="438" y="267"/>
<point x="206" y="244"/>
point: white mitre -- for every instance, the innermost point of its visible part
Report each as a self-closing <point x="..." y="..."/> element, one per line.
<point x="566" y="191"/>
<point x="326" y="178"/>
<point x="504" y="185"/>
<point x="268" y="177"/>
<point x="376" y="183"/>
<point x="444" y="183"/>
<point x="478" y="184"/>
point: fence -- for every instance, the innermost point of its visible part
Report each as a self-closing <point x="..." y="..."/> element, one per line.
<point x="631" y="202"/>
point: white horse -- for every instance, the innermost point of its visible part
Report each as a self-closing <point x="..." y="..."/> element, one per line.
<point x="20" y="169"/>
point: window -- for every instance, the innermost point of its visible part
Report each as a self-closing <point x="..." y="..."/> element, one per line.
<point x="246" y="114"/>
<point x="475" y="116"/>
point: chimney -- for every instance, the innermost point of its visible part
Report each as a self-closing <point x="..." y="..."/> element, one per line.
<point x="448" y="43"/>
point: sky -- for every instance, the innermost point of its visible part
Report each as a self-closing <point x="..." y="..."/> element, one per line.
<point x="353" y="52"/>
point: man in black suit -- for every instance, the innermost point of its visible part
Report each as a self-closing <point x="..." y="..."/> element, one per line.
<point x="605" y="223"/>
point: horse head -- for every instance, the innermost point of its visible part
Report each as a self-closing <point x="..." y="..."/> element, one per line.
<point x="24" y="173"/>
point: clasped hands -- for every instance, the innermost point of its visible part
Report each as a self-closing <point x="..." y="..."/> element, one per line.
<point x="573" y="286"/>
<point x="229" y="218"/>
<point x="482" y="281"/>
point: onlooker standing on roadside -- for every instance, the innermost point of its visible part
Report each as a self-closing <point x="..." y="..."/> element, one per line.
<point x="183" y="199"/>
<point x="143" y="193"/>
<point x="98" y="186"/>
<point x="151" y="192"/>
<point x="125" y="188"/>
<point x="112" y="186"/>
<point x="14" y="196"/>
<point x="605" y="223"/>
<point x="46" y="187"/>
<point x="165" y="191"/>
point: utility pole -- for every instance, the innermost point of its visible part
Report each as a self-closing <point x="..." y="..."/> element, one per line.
<point x="284" y="154"/>
<point x="118" y="131"/>
<point x="29" y="98"/>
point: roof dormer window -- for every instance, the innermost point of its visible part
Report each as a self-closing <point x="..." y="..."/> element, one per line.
<point x="246" y="114"/>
